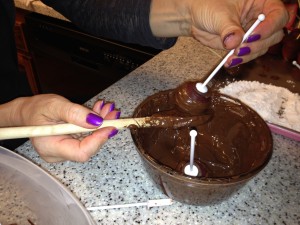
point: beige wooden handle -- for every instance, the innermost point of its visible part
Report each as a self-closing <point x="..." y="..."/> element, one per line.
<point x="60" y="129"/>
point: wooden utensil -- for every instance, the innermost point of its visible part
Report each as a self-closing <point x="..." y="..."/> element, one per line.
<point x="60" y="129"/>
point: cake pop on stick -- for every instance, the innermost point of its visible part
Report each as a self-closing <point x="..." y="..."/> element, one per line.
<point x="189" y="100"/>
<point x="191" y="169"/>
<point x="201" y="87"/>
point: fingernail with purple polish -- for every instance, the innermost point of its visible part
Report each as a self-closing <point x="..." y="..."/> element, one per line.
<point x="244" y="51"/>
<point x="113" y="133"/>
<point x="253" y="38"/>
<point x="102" y="104"/>
<point x="118" y="114"/>
<point x="235" y="62"/>
<point x="112" y="107"/>
<point x="94" y="119"/>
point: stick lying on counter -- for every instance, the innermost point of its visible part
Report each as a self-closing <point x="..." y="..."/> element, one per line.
<point x="60" y="129"/>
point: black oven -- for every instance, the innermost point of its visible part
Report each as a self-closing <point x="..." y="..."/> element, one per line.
<point x="74" y="64"/>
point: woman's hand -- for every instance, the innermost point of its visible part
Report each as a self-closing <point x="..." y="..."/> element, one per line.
<point x="222" y="24"/>
<point x="54" y="109"/>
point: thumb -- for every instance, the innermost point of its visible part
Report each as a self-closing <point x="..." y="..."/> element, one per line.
<point x="231" y="33"/>
<point x="232" y="36"/>
<point x="80" y="115"/>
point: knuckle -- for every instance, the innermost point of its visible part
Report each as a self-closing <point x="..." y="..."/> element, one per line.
<point x="72" y="112"/>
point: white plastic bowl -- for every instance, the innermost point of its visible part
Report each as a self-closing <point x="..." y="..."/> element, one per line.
<point x="30" y="194"/>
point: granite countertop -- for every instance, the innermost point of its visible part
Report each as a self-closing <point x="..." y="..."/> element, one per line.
<point x="116" y="175"/>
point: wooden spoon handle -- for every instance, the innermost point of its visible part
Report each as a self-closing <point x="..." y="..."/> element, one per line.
<point x="60" y="129"/>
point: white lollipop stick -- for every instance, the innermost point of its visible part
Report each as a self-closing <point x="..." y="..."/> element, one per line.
<point x="149" y="204"/>
<point x="202" y="87"/>
<point x="296" y="64"/>
<point x="191" y="169"/>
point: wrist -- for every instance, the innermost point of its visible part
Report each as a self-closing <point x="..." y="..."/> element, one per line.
<point x="170" y="18"/>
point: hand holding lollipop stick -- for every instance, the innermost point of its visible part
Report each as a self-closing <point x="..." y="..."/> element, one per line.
<point x="201" y="87"/>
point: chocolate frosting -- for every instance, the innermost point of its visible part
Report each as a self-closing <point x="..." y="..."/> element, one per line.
<point x="233" y="143"/>
<point x="170" y="121"/>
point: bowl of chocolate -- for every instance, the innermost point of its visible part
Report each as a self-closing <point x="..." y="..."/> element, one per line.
<point x="231" y="147"/>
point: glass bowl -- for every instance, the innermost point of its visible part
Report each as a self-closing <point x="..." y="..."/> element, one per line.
<point x="244" y="152"/>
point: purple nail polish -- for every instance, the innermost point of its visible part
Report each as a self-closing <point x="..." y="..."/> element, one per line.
<point x="112" y="107"/>
<point x="113" y="133"/>
<point x="94" y="119"/>
<point x="102" y="104"/>
<point x="235" y="62"/>
<point x="118" y="114"/>
<point x="244" y="51"/>
<point x="253" y="38"/>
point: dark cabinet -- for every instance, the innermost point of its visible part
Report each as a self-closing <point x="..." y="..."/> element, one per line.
<point x="55" y="56"/>
<point x="74" y="64"/>
<point x="25" y="61"/>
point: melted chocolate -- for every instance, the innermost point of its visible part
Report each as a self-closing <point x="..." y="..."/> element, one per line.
<point x="233" y="143"/>
<point x="175" y="122"/>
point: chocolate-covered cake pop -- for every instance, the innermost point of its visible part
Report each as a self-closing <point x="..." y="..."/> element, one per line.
<point x="189" y="100"/>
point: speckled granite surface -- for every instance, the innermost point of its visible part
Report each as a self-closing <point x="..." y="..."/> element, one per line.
<point x="116" y="174"/>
